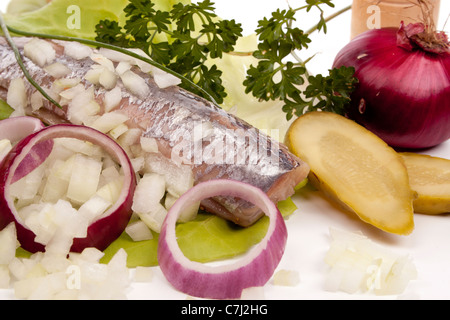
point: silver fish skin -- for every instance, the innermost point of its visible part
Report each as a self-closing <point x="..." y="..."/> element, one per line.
<point x="189" y="130"/>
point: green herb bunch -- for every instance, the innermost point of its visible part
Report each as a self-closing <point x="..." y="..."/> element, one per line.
<point x="188" y="35"/>
<point x="175" y="40"/>
<point x="280" y="74"/>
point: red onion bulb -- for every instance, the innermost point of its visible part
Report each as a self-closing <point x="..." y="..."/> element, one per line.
<point x="403" y="94"/>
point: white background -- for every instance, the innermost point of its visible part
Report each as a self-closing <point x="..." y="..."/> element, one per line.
<point x="308" y="228"/>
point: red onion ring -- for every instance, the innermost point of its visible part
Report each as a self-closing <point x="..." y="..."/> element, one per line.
<point x="101" y="232"/>
<point x="227" y="281"/>
<point x="15" y="129"/>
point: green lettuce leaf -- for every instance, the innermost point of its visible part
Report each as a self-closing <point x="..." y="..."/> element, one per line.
<point x="76" y="18"/>
<point x="22" y="6"/>
<point x="5" y="110"/>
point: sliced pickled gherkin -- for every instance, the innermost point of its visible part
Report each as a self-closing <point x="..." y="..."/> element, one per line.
<point x="429" y="177"/>
<point x="355" y="168"/>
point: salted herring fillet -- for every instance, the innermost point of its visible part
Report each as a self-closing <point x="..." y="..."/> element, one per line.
<point x="189" y="130"/>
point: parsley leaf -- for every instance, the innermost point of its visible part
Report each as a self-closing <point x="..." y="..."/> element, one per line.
<point x="330" y="93"/>
<point x="177" y="40"/>
<point x="276" y="76"/>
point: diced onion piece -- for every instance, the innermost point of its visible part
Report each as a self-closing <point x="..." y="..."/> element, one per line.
<point x="138" y="231"/>
<point x="163" y="79"/>
<point x="72" y="91"/>
<point x="93" y="75"/>
<point x="149" y="144"/>
<point x="8" y="244"/>
<point x="112" y="99"/>
<point x="179" y="178"/>
<point x="83" y="108"/>
<point x="117" y="131"/>
<point x="58" y="70"/>
<point x="27" y="187"/>
<point x="144" y="66"/>
<point x="138" y="163"/>
<point x="103" y="61"/>
<point x="109" y="121"/>
<point x="225" y="281"/>
<point x="17" y="96"/>
<point x="36" y="101"/>
<point x="62" y="84"/>
<point x="289" y="278"/>
<point x="111" y="190"/>
<point x="56" y="185"/>
<point x="359" y="265"/>
<point x="154" y="218"/>
<point x="147" y="200"/>
<point x="107" y="79"/>
<point x="5" y="148"/>
<point x="77" y="50"/>
<point x="149" y="192"/>
<point x="135" y="84"/>
<point x="122" y="67"/>
<point x="84" y="179"/>
<point x="41" y="52"/>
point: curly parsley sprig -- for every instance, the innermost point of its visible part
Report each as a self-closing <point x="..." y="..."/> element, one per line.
<point x="188" y="35"/>
<point x="277" y="77"/>
<point x="174" y="39"/>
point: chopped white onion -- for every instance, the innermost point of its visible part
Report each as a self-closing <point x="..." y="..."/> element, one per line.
<point x="149" y="144"/>
<point x="103" y="61"/>
<point x="135" y="84"/>
<point x="58" y="70"/>
<point x="8" y="244"/>
<point x="108" y="121"/>
<point x="17" y="96"/>
<point x="77" y="50"/>
<point x="41" y="52"/>
<point x="163" y="79"/>
<point x="138" y="231"/>
<point x="5" y="148"/>
<point x="36" y="101"/>
<point x="289" y="278"/>
<point x="357" y="264"/>
<point x="108" y="79"/>
<point x="112" y="99"/>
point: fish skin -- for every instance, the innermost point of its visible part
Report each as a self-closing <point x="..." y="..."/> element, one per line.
<point x="173" y="116"/>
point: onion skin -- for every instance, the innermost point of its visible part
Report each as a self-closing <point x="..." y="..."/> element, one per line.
<point x="223" y="282"/>
<point x="101" y="232"/>
<point x="403" y="96"/>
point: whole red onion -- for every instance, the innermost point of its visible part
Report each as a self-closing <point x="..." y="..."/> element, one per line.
<point x="403" y="94"/>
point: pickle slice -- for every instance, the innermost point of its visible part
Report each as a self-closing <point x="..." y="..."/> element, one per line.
<point x="429" y="177"/>
<point x="355" y="168"/>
